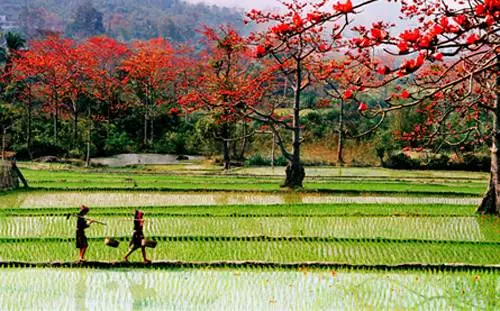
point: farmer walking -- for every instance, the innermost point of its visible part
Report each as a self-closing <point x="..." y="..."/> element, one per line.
<point x="138" y="237"/>
<point x="81" y="224"/>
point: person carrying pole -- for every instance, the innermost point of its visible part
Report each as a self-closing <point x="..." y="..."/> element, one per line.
<point x="138" y="237"/>
<point x="81" y="224"/>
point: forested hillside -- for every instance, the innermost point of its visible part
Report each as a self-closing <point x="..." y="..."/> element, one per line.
<point x="121" y="19"/>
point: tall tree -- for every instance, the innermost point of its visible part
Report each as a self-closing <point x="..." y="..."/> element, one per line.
<point x="87" y="22"/>
<point x="339" y="77"/>
<point x="61" y="73"/>
<point x="450" y="65"/>
<point x="105" y="87"/>
<point x="293" y="39"/>
<point x="150" y="71"/>
<point x="226" y="84"/>
<point x="14" y="42"/>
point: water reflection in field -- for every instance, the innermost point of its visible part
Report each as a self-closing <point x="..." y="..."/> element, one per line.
<point x="245" y="290"/>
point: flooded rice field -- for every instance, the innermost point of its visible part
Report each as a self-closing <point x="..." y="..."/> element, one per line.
<point x="82" y="289"/>
<point x="135" y="199"/>
<point x="143" y="159"/>
<point x="421" y="228"/>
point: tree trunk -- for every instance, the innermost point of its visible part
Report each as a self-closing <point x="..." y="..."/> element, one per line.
<point x="273" y="151"/>
<point x="225" y="146"/>
<point x="145" y="129"/>
<point x="75" y="126"/>
<point x="151" y="131"/>
<point x="340" y="147"/>
<point x="4" y="134"/>
<point x="295" y="171"/>
<point x="30" y="116"/>
<point x="491" y="200"/>
<point x="245" y="142"/>
<point x="55" y="124"/>
<point x="89" y="142"/>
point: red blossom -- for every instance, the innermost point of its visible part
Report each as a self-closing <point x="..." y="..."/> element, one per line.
<point x="314" y="17"/>
<point x="260" y="51"/>
<point x="460" y="19"/>
<point x="403" y="47"/>
<point x="383" y="70"/>
<point x="362" y="107"/>
<point x="425" y="42"/>
<point x="444" y="22"/>
<point x="438" y="56"/>
<point x="405" y="94"/>
<point x="343" y="7"/>
<point x="378" y="34"/>
<point x="410" y="35"/>
<point x="436" y="30"/>
<point x="348" y="94"/>
<point x="473" y="38"/>
<point x="281" y="29"/>
<point x="297" y="20"/>
<point x="412" y="65"/>
<point x="174" y="111"/>
<point x="480" y="10"/>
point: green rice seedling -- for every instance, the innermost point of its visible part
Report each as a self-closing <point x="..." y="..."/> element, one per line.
<point x="356" y="252"/>
<point x="49" y="199"/>
<point x="275" y="210"/>
<point x="413" y="228"/>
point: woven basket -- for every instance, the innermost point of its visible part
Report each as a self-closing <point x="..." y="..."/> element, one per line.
<point x="111" y="242"/>
<point x="149" y="243"/>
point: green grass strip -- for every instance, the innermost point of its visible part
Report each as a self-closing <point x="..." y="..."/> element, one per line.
<point x="359" y="227"/>
<point x="274" y="210"/>
<point x="352" y="252"/>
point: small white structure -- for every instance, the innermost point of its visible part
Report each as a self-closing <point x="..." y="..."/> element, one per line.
<point x="6" y="24"/>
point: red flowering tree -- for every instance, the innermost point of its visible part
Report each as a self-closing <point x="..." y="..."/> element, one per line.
<point x="150" y="72"/>
<point x="292" y="41"/>
<point x="60" y="73"/>
<point x="226" y="83"/>
<point x="105" y="87"/>
<point x="450" y="66"/>
<point x="339" y="77"/>
<point x="106" y="83"/>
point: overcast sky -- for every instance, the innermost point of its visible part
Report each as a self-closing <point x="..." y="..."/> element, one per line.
<point x="378" y="11"/>
<point x="381" y="10"/>
<point x="246" y="4"/>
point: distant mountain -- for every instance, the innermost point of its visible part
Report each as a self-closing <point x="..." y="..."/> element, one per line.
<point x="123" y="19"/>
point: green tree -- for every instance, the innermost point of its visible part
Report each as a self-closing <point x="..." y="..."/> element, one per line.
<point x="87" y="22"/>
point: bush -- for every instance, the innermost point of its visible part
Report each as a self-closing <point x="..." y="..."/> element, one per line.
<point x="258" y="160"/>
<point x="118" y="142"/>
<point x="172" y="143"/>
<point x="76" y="154"/>
<point x="440" y="162"/>
<point x="472" y="162"/>
<point x="39" y="148"/>
<point x="401" y="161"/>
<point x="467" y="162"/>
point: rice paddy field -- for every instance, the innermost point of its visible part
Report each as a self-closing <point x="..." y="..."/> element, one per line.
<point x="352" y="239"/>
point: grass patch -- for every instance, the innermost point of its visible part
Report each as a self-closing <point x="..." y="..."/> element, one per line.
<point x="275" y="210"/>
